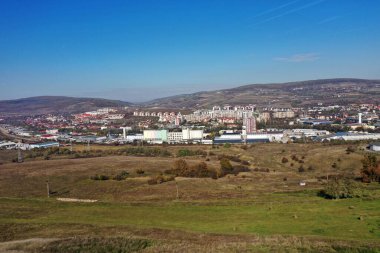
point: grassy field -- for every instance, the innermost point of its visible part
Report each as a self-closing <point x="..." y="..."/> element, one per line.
<point x="251" y="212"/>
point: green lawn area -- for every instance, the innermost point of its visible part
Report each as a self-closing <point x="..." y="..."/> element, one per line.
<point x="279" y="214"/>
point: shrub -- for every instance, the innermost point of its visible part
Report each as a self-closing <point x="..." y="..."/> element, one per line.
<point x="341" y="188"/>
<point x="180" y="165"/>
<point x="184" y="152"/>
<point x="227" y="145"/>
<point x="262" y="170"/>
<point x="284" y="160"/>
<point x="240" y="168"/>
<point x="188" y="152"/>
<point x="301" y="169"/>
<point x="139" y="171"/>
<point x="100" y="177"/>
<point x="104" y="177"/>
<point x="121" y="176"/>
<point x="225" y="166"/>
<point x="350" y="149"/>
<point x="159" y="179"/>
<point x="371" y="168"/>
<point x="181" y="168"/>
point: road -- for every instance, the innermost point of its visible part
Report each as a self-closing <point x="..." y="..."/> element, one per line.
<point x="13" y="137"/>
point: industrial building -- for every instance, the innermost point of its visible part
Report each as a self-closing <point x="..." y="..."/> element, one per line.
<point x="156" y="136"/>
<point x="44" y="145"/>
<point x="175" y="137"/>
<point x="187" y="135"/>
<point x="190" y="135"/>
<point x="134" y="137"/>
<point x="249" y="138"/>
<point x="349" y="136"/>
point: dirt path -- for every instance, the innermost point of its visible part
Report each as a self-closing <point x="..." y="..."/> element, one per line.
<point x="17" y="245"/>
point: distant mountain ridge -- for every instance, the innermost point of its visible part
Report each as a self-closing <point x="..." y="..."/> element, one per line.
<point x="290" y="94"/>
<point x="56" y="104"/>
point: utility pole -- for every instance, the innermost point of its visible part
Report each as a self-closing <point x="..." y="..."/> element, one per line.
<point x="88" y="145"/>
<point x="71" y="146"/>
<point x="48" y="188"/>
<point x="19" y="156"/>
<point x="176" y="186"/>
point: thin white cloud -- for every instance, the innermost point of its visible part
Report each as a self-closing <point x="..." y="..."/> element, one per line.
<point x="309" y="57"/>
<point x="328" y="20"/>
<point x="276" y="8"/>
<point x="290" y="12"/>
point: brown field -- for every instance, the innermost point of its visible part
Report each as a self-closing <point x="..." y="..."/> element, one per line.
<point x="250" y="212"/>
<point x="71" y="177"/>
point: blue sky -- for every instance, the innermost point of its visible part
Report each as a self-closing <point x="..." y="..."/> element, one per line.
<point x="139" y="50"/>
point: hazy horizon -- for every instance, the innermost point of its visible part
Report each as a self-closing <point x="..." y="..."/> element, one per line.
<point x="103" y="95"/>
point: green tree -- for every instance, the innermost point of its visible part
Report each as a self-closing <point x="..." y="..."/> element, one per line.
<point x="226" y="166"/>
<point x="342" y="188"/>
<point x="371" y="168"/>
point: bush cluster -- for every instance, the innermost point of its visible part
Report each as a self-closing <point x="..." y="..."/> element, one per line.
<point x="199" y="170"/>
<point x="121" y="176"/>
<point x="100" y="177"/>
<point x="371" y="169"/>
<point x="136" y="151"/>
<point x="188" y="152"/>
<point x="338" y="188"/>
<point x="140" y="171"/>
<point x="159" y="179"/>
<point x="261" y="170"/>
